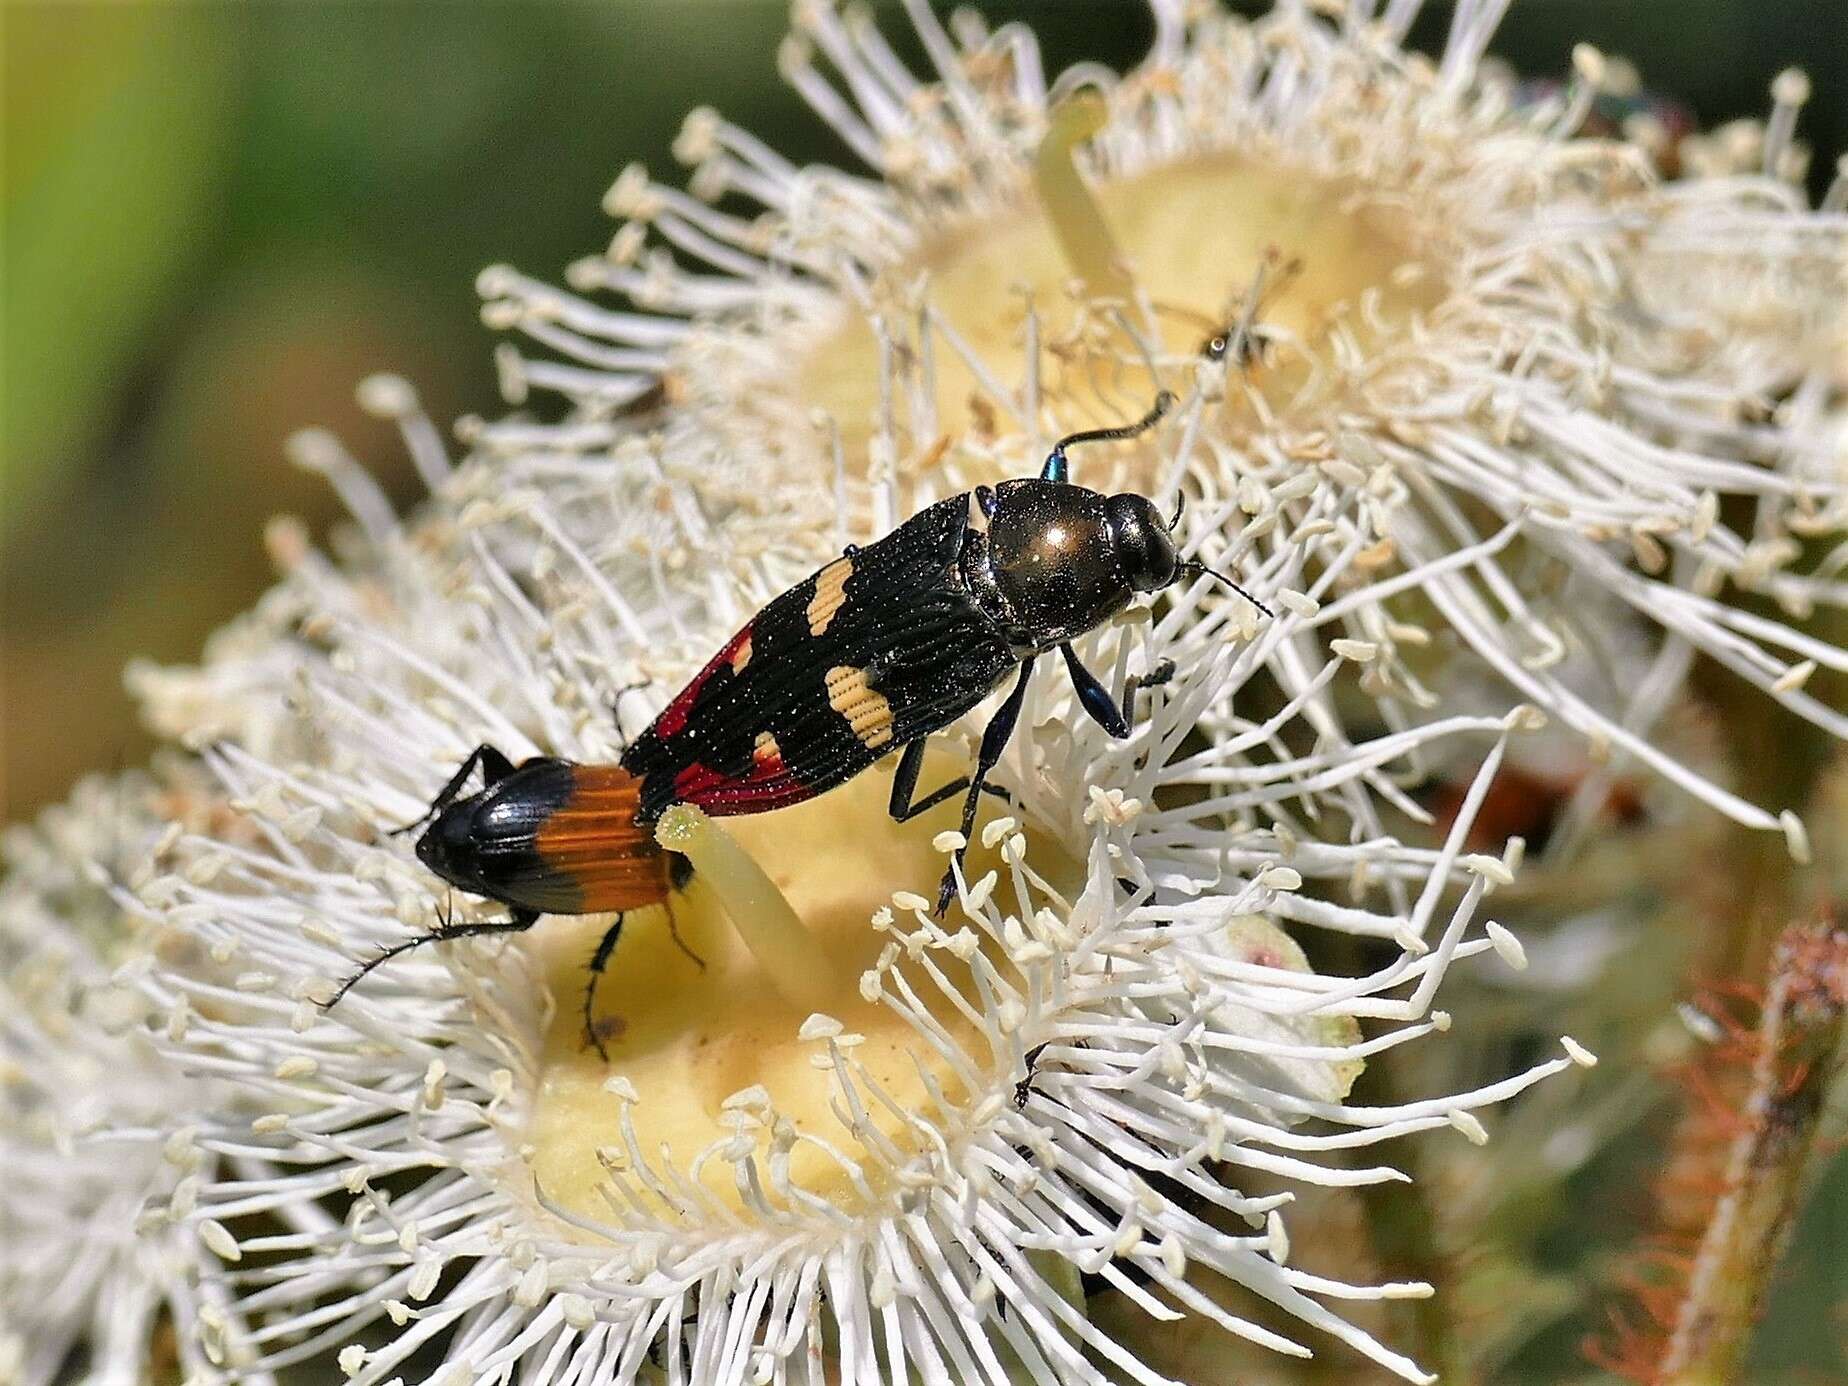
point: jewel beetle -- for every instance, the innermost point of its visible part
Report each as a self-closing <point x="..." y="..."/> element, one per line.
<point x="891" y="642"/>
<point x="865" y="658"/>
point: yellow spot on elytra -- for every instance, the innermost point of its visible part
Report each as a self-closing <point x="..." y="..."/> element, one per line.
<point x="765" y="750"/>
<point x="741" y="656"/>
<point x="830" y="594"/>
<point x="866" y="709"/>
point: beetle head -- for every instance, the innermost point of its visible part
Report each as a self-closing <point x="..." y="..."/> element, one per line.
<point x="1142" y="542"/>
<point x="447" y="845"/>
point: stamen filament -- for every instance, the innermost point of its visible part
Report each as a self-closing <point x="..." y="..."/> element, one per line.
<point x="794" y="962"/>
<point x="1077" y="221"/>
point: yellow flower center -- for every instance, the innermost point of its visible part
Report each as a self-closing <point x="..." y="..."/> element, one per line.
<point x="1192" y="236"/>
<point x="688" y="1039"/>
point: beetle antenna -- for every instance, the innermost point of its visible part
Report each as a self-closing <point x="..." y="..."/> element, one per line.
<point x="1180" y="505"/>
<point x="1163" y="403"/>
<point x="1054" y="469"/>
<point x="1194" y="568"/>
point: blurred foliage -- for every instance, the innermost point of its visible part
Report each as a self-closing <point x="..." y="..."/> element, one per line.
<point x="218" y="218"/>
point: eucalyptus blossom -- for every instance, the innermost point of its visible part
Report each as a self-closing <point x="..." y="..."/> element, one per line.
<point x="106" y="1276"/>
<point x="1597" y="395"/>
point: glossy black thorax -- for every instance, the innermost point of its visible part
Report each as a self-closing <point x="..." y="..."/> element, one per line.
<point x="1040" y="561"/>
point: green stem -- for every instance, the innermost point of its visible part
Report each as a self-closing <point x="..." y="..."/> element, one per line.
<point x="1789" y="1125"/>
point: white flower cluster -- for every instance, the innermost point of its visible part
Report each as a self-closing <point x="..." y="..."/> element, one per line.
<point x="1177" y="1033"/>
<point x="1592" y="389"/>
<point x="99" y="1135"/>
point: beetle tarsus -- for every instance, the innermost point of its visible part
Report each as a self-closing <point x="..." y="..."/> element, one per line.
<point x="1024" y="1088"/>
<point x="1159" y="675"/>
<point x="622" y="737"/>
<point x="673" y="932"/>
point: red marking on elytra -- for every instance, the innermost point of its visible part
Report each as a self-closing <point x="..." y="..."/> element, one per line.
<point x="673" y="718"/>
<point x="769" y="785"/>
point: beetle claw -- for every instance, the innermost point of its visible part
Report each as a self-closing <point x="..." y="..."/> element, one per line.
<point x="946" y="891"/>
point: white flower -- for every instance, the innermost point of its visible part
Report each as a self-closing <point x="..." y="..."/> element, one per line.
<point x="1057" y="1081"/>
<point x="103" y="1165"/>
<point x="1557" y="383"/>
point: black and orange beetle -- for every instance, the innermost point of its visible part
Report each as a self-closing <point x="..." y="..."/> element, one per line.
<point x="547" y="836"/>
<point x="868" y="656"/>
<point x="896" y="640"/>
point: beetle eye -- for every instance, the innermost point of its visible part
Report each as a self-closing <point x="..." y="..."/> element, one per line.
<point x="1141" y="542"/>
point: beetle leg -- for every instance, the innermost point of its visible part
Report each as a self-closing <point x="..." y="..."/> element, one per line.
<point x="1157" y="676"/>
<point x="521" y="921"/>
<point x="1118" y="721"/>
<point x="1093" y="697"/>
<point x="994" y="740"/>
<point x="673" y="932"/>
<point x="598" y="961"/>
<point x="1024" y="1088"/>
<point x="495" y="767"/>
<point x="904" y="784"/>
<point x="954" y="787"/>
<point x="903" y="807"/>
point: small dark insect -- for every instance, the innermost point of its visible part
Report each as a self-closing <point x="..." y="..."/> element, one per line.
<point x="1246" y="339"/>
<point x="870" y="655"/>
<point x="546" y="837"/>
<point x="1024" y="1088"/>
<point x="896" y="640"/>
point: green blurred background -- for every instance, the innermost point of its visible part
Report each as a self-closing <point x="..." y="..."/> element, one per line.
<point x="218" y="217"/>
